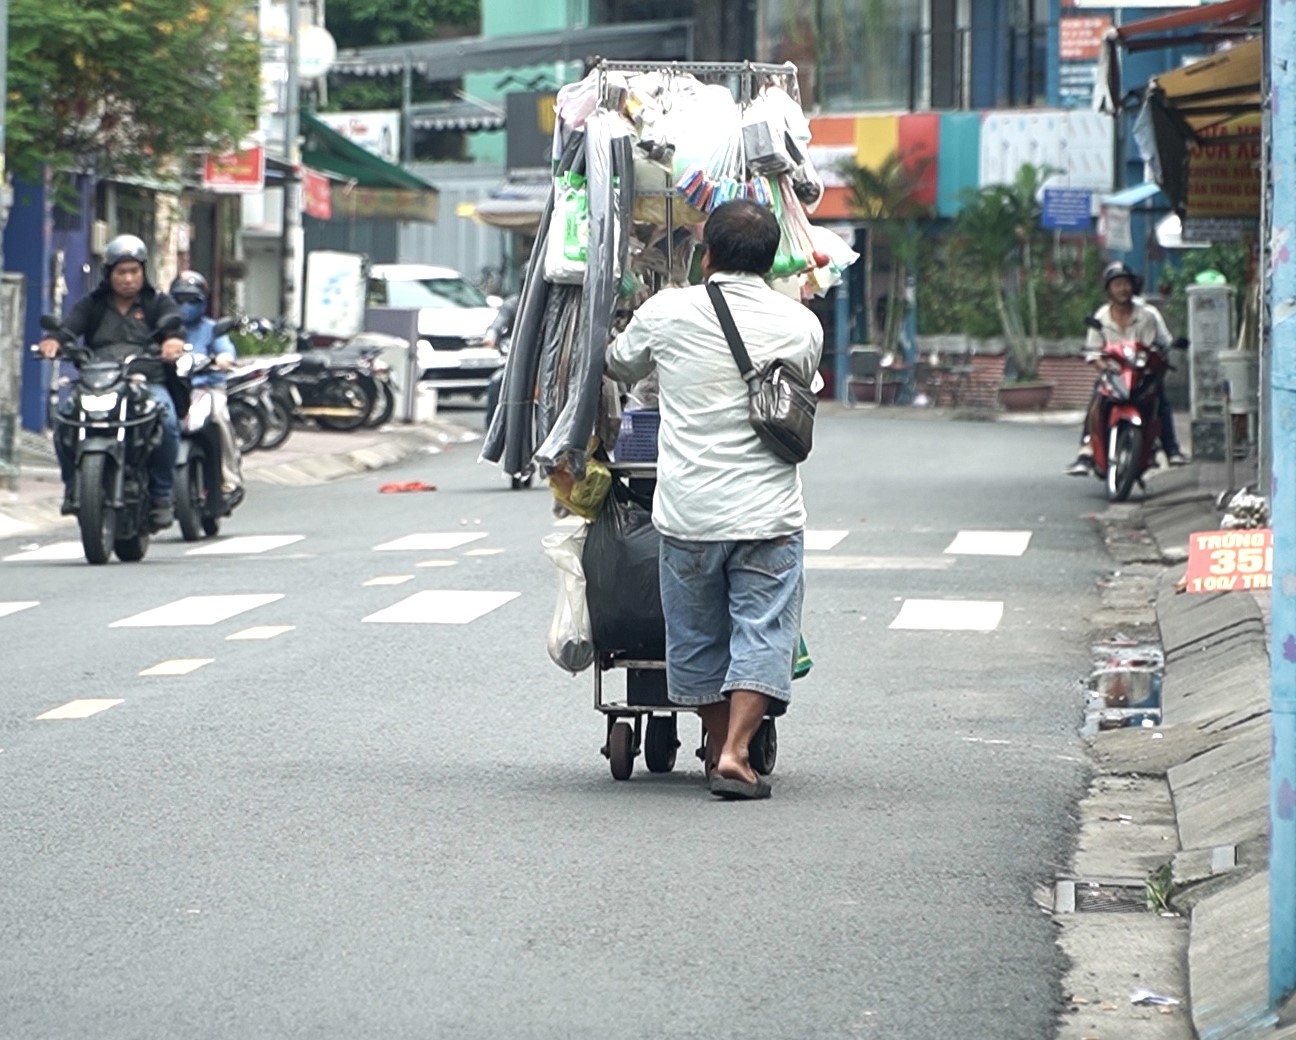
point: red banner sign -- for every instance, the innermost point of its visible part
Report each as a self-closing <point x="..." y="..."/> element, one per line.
<point x="319" y="195"/>
<point x="1222" y="561"/>
<point x="1080" y="37"/>
<point x="241" y="171"/>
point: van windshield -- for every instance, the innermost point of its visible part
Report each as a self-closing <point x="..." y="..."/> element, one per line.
<point x="433" y="292"/>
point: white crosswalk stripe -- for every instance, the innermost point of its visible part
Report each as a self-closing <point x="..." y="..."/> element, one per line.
<point x="53" y="551"/>
<point x="442" y="607"/>
<point x="261" y="632"/>
<point x="941" y="615"/>
<point x="989" y="543"/>
<point x="390" y="579"/>
<point x="82" y="708"/>
<point x="430" y="542"/>
<point x="823" y="541"/>
<point x="14" y="607"/>
<point x="246" y="545"/>
<point x="179" y="666"/>
<point x="197" y="610"/>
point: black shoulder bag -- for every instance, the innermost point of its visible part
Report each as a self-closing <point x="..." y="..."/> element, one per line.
<point x="781" y="406"/>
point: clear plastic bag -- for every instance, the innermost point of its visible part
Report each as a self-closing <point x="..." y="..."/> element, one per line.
<point x="571" y="638"/>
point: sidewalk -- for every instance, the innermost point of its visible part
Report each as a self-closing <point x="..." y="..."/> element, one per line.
<point x="1205" y="767"/>
<point x="308" y="457"/>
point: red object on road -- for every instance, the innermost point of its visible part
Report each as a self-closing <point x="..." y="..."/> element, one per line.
<point x="413" y="485"/>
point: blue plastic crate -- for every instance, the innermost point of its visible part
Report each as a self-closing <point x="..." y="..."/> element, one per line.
<point x="637" y="441"/>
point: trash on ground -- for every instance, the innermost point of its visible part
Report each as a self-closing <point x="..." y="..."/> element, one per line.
<point x="1147" y="997"/>
<point x="412" y="485"/>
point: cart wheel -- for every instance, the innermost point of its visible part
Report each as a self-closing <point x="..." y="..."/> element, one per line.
<point x="621" y="750"/>
<point x="661" y="743"/>
<point x="763" y="750"/>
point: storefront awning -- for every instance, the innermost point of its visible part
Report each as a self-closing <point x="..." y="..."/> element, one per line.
<point x="513" y="206"/>
<point x="454" y="58"/>
<point x="456" y="115"/>
<point x="1210" y="23"/>
<point x="1214" y="90"/>
<point x="366" y="185"/>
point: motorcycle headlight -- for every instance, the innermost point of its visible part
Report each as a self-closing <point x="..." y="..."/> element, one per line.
<point x="1131" y="354"/>
<point x="99" y="402"/>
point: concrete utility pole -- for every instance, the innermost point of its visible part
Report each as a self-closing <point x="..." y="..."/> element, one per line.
<point x="8" y="408"/>
<point x="292" y="239"/>
<point x="1281" y="33"/>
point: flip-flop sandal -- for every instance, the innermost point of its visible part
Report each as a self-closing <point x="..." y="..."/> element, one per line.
<point x="733" y="790"/>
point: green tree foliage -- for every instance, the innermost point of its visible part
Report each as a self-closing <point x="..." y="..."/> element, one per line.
<point x="128" y="86"/>
<point x="999" y="232"/>
<point x="368" y="23"/>
<point x="887" y="197"/>
<point x="365" y="23"/>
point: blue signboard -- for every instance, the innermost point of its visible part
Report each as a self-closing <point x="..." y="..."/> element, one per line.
<point x="1067" y="208"/>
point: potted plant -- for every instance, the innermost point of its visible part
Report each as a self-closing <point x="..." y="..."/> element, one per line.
<point x="998" y="230"/>
<point x="887" y="198"/>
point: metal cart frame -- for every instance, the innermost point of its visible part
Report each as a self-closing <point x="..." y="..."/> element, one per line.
<point x="645" y="720"/>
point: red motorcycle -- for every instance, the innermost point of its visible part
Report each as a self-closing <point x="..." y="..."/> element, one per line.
<point x="1125" y="422"/>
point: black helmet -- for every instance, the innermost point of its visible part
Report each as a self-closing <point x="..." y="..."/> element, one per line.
<point x="189" y="283"/>
<point x="1120" y="269"/>
<point x="125" y="247"/>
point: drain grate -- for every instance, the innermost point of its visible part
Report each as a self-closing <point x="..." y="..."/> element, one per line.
<point x="1082" y="897"/>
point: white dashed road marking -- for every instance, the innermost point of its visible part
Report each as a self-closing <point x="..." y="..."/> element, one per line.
<point x="80" y="709"/>
<point x="945" y="615"/>
<point x="437" y="563"/>
<point x="483" y="552"/>
<point x="989" y="543"/>
<point x="12" y="608"/>
<point x="431" y="542"/>
<point x="55" y="551"/>
<point x="823" y="541"/>
<point x="196" y="610"/>
<point x="442" y="607"/>
<point x="391" y="579"/>
<point x="9" y="526"/>
<point x="262" y="632"/>
<point x="569" y="521"/>
<point x="180" y="666"/>
<point x="246" y="545"/>
<point x="878" y="563"/>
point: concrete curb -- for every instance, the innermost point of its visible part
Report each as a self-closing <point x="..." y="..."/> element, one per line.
<point x="1214" y="751"/>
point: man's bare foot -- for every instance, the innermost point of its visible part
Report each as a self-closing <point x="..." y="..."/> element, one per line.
<point x="731" y="767"/>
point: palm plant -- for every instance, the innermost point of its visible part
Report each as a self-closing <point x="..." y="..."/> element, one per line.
<point x="887" y="198"/>
<point x="999" y="230"/>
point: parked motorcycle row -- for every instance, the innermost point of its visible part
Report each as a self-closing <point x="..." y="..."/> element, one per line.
<point x="341" y="387"/>
<point x="113" y="425"/>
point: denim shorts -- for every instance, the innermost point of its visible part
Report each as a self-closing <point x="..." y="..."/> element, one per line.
<point x="733" y="616"/>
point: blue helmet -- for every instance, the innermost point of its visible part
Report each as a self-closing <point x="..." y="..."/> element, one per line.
<point x="189" y="291"/>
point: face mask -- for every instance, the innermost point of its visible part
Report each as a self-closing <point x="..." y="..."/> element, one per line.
<point x="191" y="311"/>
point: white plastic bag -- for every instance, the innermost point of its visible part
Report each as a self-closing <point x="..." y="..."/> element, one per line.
<point x="571" y="637"/>
<point x="567" y="243"/>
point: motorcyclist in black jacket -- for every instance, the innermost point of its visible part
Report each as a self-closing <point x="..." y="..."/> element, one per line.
<point x="122" y="312"/>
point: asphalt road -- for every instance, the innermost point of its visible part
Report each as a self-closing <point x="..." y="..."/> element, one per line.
<point x="367" y="829"/>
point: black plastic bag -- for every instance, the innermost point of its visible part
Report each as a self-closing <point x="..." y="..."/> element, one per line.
<point x="622" y="581"/>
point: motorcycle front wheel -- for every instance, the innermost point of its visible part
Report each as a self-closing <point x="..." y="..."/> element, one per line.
<point x="249" y="425"/>
<point x="190" y="498"/>
<point x="384" y="407"/>
<point x="1125" y="449"/>
<point x="349" y="405"/>
<point x="95" y="514"/>
<point x="278" y="424"/>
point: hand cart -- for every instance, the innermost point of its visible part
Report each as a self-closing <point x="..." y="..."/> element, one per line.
<point x="645" y="719"/>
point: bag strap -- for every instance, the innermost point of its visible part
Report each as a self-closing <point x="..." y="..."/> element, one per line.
<point x="736" y="347"/>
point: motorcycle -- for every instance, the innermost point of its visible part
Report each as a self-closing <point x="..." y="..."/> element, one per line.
<point x="199" y="503"/>
<point x="112" y="431"/>
<point x="1125" y="425"/>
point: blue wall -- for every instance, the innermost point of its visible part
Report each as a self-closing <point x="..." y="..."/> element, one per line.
<point x="26" y="249"/>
